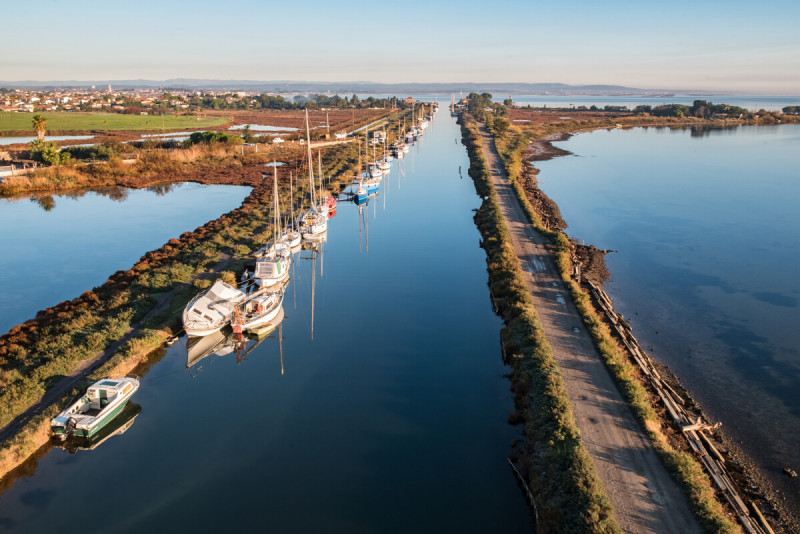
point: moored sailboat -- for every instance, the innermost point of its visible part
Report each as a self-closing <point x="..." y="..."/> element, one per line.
<point x="313" y="224"/>
<point x="257" y="312"/>
<point x="274" y="262"/>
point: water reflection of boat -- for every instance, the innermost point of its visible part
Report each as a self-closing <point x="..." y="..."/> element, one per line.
<point x="227" y="342"/>
<point x="118" y="426"/>
<point x="101" y="403"/>
<point x="315" y="250"/>
<point x="198" y="348"/>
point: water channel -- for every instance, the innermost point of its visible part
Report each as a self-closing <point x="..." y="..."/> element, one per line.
<point x="379" y="405"/>
<point x="55" y="247"/>
<point x="704" y="225"/>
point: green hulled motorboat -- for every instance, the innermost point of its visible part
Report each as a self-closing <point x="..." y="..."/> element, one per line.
<point x="103" y="401"/>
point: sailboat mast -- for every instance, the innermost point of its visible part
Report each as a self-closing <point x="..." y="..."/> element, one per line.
<point x="291" y="197"/>
<point x="313" y="270"/>
<point x="275" y="205"/>
<point x="319" y="160"/>
<point x="310" y="160"/>
<point x="280" y="343"/>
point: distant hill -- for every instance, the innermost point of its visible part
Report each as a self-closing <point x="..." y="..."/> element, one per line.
<point x="288" y="86"/>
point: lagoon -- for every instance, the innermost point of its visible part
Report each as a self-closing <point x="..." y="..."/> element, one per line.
<point x="13" y="140"/>
<point x="704" y="225"/>
<point x="55" y="247"/>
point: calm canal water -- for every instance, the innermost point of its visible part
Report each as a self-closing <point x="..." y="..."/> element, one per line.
<point x="389" y="417"/>
<point x="705" y="225"/>
<point x="55" y="247"/>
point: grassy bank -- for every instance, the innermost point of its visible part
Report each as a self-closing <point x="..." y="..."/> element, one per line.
<point x="569" y="496"/>
<point x="69" y="121"/>
<point x="682" y="465"/>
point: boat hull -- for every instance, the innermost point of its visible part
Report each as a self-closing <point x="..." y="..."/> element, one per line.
<point x="200" y="332"/>
<point x="98" y="425"/>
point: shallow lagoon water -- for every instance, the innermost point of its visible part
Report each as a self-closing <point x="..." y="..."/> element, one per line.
<point x="12" y="140"/>
<point x="55" y="247"/>
<point x="264" y="128"/>
<point x="390" y="417"/>
<point x="705" y="228"/>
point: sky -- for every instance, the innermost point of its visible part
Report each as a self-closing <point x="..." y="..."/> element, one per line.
<point x="704" y="45"/>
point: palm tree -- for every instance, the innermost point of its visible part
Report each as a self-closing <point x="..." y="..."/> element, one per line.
<point x="40" y="125"/>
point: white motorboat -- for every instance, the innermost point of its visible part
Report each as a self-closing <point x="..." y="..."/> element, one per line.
<point x="209" y="311"/>
<point x="103" y="401"/>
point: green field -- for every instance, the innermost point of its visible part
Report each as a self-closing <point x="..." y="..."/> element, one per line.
<point x="74" y="122"/>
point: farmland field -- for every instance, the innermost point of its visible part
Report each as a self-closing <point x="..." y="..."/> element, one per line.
<point x="63" y="121"/>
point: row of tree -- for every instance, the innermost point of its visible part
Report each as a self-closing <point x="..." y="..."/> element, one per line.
<point x="702" y="109"/>
<point x="264" y="101"/>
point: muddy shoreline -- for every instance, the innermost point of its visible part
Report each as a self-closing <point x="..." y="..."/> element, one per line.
<point x="747" y="475"/>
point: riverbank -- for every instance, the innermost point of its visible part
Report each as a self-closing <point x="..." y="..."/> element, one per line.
<point x="517" y="153"/>
<point x="113" y="328"/>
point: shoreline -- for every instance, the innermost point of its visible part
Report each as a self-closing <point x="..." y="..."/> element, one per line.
<point x="745" y="471"/>
<point x="245" y="226"/>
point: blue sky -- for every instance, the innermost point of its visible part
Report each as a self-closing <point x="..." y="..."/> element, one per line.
<point x="734" y="45"/>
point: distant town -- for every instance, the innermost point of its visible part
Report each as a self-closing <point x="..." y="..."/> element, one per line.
<point x="147" y="101"/>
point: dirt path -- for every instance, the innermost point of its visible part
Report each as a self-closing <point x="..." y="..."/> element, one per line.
<point x="644" y="496"/>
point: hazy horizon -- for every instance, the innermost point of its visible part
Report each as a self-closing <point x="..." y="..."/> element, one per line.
<point x="726" y="46"/>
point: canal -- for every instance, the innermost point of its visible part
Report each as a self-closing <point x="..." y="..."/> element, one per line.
<point x="379" y="405"/>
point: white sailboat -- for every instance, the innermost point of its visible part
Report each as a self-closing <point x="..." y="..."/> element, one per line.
<point x="274" y="262"/>
<point x="313" y="224"/>
<point x="291" y="236"/>
<point x="321" y="206"/>
<point x="257" y="312"/>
